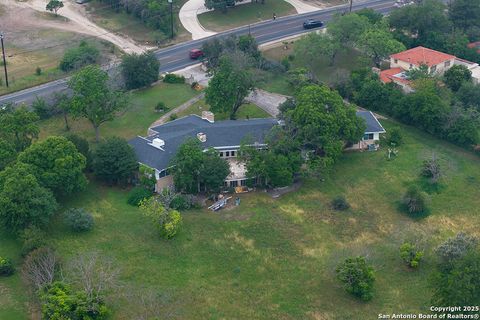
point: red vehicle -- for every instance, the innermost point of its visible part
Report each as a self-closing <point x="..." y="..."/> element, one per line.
<point x="196" y="54"/>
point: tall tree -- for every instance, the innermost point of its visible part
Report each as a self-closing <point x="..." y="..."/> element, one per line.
<point x="54" y="5"/>
<point x="7" y="153"/>
<point x="312" y="45"/>
<point x="186" y="166"/>
<point x="93" y="99"/>
<point x="213" y="172"/>
<point x="140" y="70"/>
<point x="115" y="161"/>
<point x="23" y="202"/>
<point x="465" y="14"/>
<point x="57" y="164"/>
<point x="378" y="43"/>
<point x="19" y="126"/>
<point x="347" y="29"/>
<point x="323" y="123"/>
<point x="456" y="76"/>
<point x="228" y="87"/>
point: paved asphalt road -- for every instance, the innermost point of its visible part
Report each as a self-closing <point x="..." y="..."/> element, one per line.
<point x="176" y="57"/>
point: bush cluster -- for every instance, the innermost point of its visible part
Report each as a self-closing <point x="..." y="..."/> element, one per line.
<point x="76" y="58"/>
<point x="173" y="78"/>
<point x="137" y="194"/>
<point x="79" y="220"/>
<point x="340" y="203"/>
<point x="410" y="254"/>
<point x="6" y="267"/>
<point x="33" y="238"/>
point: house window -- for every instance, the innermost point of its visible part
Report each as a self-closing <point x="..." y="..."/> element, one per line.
<point x="243" y="183"/>
<point x="396" y="60"/>
<point x="447" y="64"/>
<point x="433" y="68"/>
<point x="221" y="154"/>
<point x="368" y="136"/>
<point x="233" y="184"/>
<point x="227" y="154"/>
<point x="232" y="154"/>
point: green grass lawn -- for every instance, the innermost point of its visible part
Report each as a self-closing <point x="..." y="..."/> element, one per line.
<point x="345" y="63"/>
<point x="246" y="111"/>
<point x="134" y="121"/>
<point x="244" y="14"/>
<point x="275" y="259"/>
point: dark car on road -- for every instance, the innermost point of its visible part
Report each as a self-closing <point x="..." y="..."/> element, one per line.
<point x="196" y="54"/>
<point x="311" y="23"/>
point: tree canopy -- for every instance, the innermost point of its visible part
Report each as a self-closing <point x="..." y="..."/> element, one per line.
<point x="19" y="126"/>
<point x="228" y="87"/>
<point x="54" y="5"/>
<point x="23" y="201"/>
<point x="57" y="165"/>
<point x="139" y="70"/>
<point x="115" y="161"/>
<point x="93" y="99"/>
<point x="323" y="123"/>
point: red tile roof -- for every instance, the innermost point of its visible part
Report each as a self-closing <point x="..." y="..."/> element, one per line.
<point x="388" y="75"/>
<point x="420" y="55"/>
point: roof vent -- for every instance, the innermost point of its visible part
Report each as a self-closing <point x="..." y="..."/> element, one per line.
<point x="158" y="143"/>
<point x="202" y="137"/>
<point x="209" y="116"/>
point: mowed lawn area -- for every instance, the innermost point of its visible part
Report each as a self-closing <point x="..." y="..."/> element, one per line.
<point x="345" y="63"/>
<point x="243" y="14"/>
<point x="246" y="111"/>
<point x="134" y="121"/>
<point x="275" y="259"/>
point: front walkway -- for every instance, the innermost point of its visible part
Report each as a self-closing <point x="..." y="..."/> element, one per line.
<point x="189" y="11"/>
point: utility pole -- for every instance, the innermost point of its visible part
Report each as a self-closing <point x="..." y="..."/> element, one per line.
<point x="351" y="4"/>
<point x="171" y="16"/>
<point x="4" y="60"/>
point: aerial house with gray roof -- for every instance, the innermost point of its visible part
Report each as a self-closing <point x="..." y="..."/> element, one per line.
<point x="160" y="146"/>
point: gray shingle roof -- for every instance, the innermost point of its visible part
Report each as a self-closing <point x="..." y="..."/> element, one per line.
<point x="226" y="133"/>
<point x="373" y="125"/>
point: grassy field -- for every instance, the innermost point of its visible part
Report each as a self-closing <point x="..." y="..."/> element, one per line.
<point x="246" y="111"/>
<point x="132" y="27"/>
<point x="244" y="14"/>
<point x="344" y="64"/>
<point x="275" y="259"/>
<point x="134" y="121"/>
<point x="23" y="59"/>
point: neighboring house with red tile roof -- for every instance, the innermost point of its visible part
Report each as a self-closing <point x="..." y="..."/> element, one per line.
<point x="436" y="61"/>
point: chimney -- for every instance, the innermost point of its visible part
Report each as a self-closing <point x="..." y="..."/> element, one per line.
<point x="202" y="137"/>
<point x="209" y="116"/>
<point x="158" y="143"/>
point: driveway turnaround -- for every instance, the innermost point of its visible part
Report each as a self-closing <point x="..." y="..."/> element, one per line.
<point x="191" y="9"/>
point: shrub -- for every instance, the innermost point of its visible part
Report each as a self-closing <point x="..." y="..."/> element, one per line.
<point x="173" y="116"/>
<point x="340" y="203"/>
<point x="181" y="202"/>
<point x="75" y="58"/>
<point x="431" y="170"/>
<point x="194" y="85"/>
<point x="78" y="219"/>
<point x="137" y="194"/>
<point x="139" y="70"/>
<point x="161" y="107"/>
<point x="173" y="78"/>
<point x="6" y="267"/>
<point x="393" y="137"/>
<point x="38" y="71"/>
<point x="43" y="109"/>
<point x="410" y="254"/>
<point x="168" y="222"/>
<point x="357" y="277"/>
<point x="272" y="66"/>
<point x="39" y="267"/>
<point x="33" y="238"/>
<point x="456" y="247"/>
<point x="286" y="63"/>
<point x="414" y="201"/>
